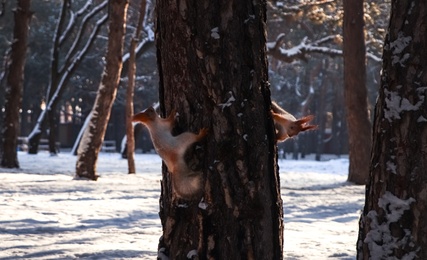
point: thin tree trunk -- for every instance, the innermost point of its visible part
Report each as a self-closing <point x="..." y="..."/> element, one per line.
<point x="393" y="224"/>
<point x="321" y="112"/>
<point x="94" y="134"/>
<point x="213" y="72"/>
<point x="14" y="88"/>
<point x="130" y="140"/>
<point x="355" y="92"/>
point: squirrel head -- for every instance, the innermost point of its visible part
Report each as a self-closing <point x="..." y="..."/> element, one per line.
<point x="148" y="115"/>
<point x="301" y="125"/>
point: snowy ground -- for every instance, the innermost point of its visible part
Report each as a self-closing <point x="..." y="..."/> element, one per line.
<point x="44" y="214"/>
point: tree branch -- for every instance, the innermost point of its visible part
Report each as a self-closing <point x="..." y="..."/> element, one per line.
<point x="72" y="20"/>
<point x="305" y="48"/>
<point x="78" y="38"/>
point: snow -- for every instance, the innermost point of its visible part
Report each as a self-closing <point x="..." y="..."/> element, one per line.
<point x="396" y="104"/>
<point x="400" y="43"/>
<point x="45" y="214"/>
<point x="229" y="102"/>
<point x="215" y="33"/>
<point x="380" y="240"/>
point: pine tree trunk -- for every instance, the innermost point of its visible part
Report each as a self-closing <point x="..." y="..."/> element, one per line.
<point x="355" y="92"/>
<point x="94" y="133"/>
<point x="213" y="72"/>
<point x="393" y="224"/>
<point x="14" y="88"/>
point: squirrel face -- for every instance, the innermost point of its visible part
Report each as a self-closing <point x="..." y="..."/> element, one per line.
<point x="148" y="115"/>
<point x="287" y="126"/>
<point x="300" y="126"/>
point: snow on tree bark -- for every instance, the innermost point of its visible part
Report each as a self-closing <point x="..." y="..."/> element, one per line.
<point x="213" y="72"/>
<point x="93" y="135"/>
<point x="14" y="88"/>
<point x="394" y="220"/>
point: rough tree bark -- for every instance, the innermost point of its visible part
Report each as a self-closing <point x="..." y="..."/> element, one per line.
<point x="355" y="92"/>
<point x="213" y="72"/>
<point x="93" y="135"/>
<point x="14" y="85"/>
<point x="393" y="224"/>
<point x="130" y="137"/>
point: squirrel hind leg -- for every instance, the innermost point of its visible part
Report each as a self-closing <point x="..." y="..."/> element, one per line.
<point x="202" y="133"/>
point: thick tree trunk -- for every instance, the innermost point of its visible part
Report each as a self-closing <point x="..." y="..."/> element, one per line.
<point x="393" y="224"/>
<point x="355" y="92"/>
<point x="94" y="133"/>
<point x="213" y="72"/>
<point x="15" y="80"/>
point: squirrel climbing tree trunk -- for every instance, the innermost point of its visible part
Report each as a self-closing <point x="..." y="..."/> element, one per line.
<point x="213" y="72"/>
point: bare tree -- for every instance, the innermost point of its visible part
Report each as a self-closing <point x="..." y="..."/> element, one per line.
<point x="355" y="92"/>
<point x="213" y="71"/>
<point x="14" y="85"/>
<point x="80" y="39"/>
<point x="394" y="220"/>
<point x="93" y="135"/>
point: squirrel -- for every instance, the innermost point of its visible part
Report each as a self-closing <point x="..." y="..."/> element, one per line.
<point x="186" y="183"/>
<point x="287" y="125"/>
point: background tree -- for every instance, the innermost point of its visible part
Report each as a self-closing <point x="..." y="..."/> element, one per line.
<point x="311" y="31"/>
<point x="355" y="92"/>
<point x="213" y="71"/>
<point x="14" y="85"/>
<point x="306" y="36"/>
<point x="74" y="41"/>
<point x="94" y="133"/>
<point x="130" y="140"/>
<point x="394" y="219"/>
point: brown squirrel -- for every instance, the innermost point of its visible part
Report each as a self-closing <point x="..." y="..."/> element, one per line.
<point x="186" y="183"/>
<point x="287" y="125"/>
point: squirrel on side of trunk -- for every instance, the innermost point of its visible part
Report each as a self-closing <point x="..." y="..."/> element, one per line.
<point x="287" y="125"/>
<point x="186" y="183"/>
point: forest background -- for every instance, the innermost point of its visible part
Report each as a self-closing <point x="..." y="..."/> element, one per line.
<point x="305" y="67"/>
<point x="306" y="46"/>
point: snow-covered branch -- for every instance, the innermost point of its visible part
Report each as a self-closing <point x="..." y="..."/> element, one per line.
<point x="140" y="48"/>
<point x="65" y="75"/>
<point x="78" y="37"/>
<point x="283" y="9"/>
<point x="300" y="51"/>
<point x="84" y="8"/>
<point x="373" y="57"/>
<point x="72" y="20"/>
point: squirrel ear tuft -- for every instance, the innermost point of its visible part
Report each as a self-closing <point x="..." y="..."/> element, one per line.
<point x="308" y="127"/>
